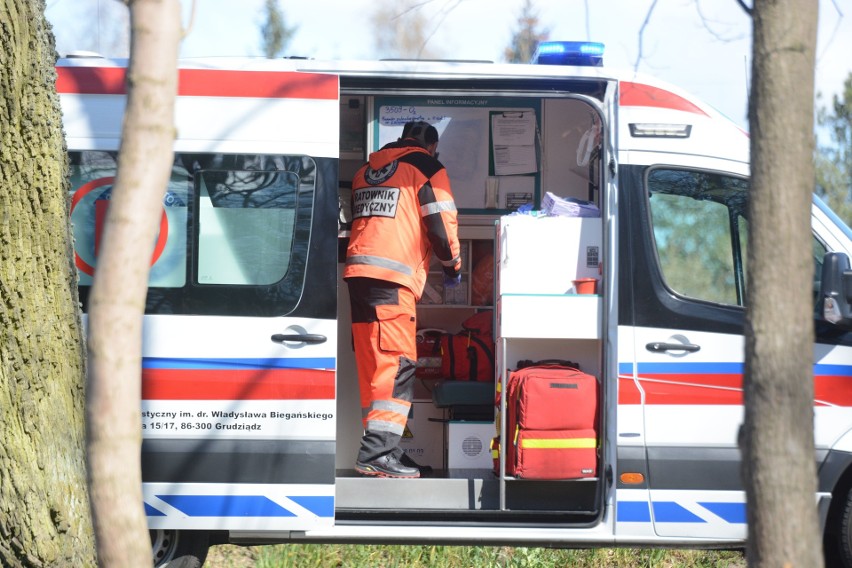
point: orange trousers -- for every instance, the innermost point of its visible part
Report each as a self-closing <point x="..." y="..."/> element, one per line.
<point x="384" y="328"/>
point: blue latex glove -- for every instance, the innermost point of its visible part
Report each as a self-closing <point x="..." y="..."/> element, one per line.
<point x="451" y="282"/>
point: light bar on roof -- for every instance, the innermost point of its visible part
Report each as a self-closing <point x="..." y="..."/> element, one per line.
<point x="585" y="53"/>
<point x="639" y="130"/>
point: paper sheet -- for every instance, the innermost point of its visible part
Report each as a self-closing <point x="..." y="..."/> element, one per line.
<point x="513" y="139"/>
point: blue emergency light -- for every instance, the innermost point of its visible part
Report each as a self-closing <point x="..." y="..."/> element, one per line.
<point x="585" y="53"/>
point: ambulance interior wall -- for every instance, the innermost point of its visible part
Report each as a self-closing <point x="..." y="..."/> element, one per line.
<point x="565" y="166"/>
<point x="563" y="124"/>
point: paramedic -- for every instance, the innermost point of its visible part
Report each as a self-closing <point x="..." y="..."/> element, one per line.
<point x="402" y="213"/>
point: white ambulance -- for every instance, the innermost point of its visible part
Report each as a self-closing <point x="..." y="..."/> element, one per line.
<point x="250" y="413"/>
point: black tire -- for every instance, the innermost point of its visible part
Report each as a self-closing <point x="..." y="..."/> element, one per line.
<point x="838" y="540"/>
<point x="179" y="549"/>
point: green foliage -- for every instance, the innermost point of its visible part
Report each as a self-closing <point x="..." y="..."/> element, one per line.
<point x="275" y="36"/>
<point x="526" y="38"/>
<point x="358" y="556"/>
<point x="834" y="160"/>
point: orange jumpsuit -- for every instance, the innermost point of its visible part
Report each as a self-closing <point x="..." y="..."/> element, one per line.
<point x="402" y="212"/>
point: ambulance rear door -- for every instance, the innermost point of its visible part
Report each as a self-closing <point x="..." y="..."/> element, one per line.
<point x="240" y="335"/>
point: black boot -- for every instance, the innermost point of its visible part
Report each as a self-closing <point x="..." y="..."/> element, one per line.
<point x="386" y="466"/>
<point x="407" y="461"/>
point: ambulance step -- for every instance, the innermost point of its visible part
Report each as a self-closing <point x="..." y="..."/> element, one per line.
<point x="468" y="493"/>
<point x="463" y="490"/>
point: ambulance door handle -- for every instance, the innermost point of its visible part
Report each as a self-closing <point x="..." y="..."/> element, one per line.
<point x="312" y="338"/>
<point x="660" y="347"/>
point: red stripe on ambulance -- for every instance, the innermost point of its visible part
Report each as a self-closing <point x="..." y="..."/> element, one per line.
<point x="221" y="384"/>
<point x="639" y="94"/>
<point x="718" y="389"/>
<point x="205" y="83"/>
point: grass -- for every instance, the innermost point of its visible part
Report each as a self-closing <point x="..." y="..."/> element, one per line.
<point x="360" y="556"/>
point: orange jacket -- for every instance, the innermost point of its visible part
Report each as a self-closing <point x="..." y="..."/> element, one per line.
<point x="402" y="211"/>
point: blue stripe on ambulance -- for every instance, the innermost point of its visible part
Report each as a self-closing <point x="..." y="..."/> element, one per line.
<point x="718" y="368"/>
<point x="672" y="512"/>
<point x="241" y="505"/>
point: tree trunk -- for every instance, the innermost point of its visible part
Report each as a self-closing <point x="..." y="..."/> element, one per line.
<point x="778" y="437"/>
<point x="117" y="299"/>
<point x="44" y="509"/>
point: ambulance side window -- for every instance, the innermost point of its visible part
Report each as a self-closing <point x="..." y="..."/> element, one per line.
<point x="233" y="238"/>
<point x="246" y="225"/>
<point x="700" y="233"/>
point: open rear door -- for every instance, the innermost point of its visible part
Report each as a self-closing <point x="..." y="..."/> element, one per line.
<point x="239" y="355"/>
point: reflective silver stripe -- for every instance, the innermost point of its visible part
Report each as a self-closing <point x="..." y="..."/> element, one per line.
<point x="384" y="426"/>
<point x="437" y="207"/>
<point x="391" y="406"/>
<point x="452" y="262"/>
<point x="381" y="262"/>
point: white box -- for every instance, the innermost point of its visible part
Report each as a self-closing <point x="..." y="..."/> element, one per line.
<point x="469" y="445"/>
<point x="423" y="439"/>
<point x="544" y="255"/>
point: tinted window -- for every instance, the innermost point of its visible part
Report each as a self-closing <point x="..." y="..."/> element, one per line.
<point x="700" y="231"/>
<point x="235" y="228"/>
<point x="246" y="225"/>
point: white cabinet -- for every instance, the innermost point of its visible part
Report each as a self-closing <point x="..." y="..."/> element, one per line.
<point x="539" y="314"/>
<point x="544" y="255"/>
<point x="538" y="260"/>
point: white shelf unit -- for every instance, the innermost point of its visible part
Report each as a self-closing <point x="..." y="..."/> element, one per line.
<point x="538" y="315"/>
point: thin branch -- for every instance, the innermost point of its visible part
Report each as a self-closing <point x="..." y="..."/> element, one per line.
<point x="705" y="22"/>
<point x="412" y="8"/>
<point x="443" y="16"/>
<point x="642" y="34"/>
<point x="188" y="28"/>
<point x="834" y="31"/>
<point x="746" y="8"/>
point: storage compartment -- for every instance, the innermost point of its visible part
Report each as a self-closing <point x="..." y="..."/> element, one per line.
<point x="477" y="281"/>
<point x="519" y="269"/>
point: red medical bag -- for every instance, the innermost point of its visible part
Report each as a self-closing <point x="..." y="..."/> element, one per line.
<point x="551" y="421"/>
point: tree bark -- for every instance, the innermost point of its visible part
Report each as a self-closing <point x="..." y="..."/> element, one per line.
<point x="44" y="508"/>
<point x="117" y="299"/>
<point x="778" y="440"/>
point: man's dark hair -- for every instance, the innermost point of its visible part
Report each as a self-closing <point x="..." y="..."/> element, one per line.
<point x="421" y="131"/>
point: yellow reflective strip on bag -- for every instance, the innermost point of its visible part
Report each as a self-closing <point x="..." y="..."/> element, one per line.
<point x="558" y="443"/>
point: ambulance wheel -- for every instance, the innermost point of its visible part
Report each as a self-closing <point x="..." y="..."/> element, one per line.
<point x="179" y="549"/>
<point x="838" y="550"/>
